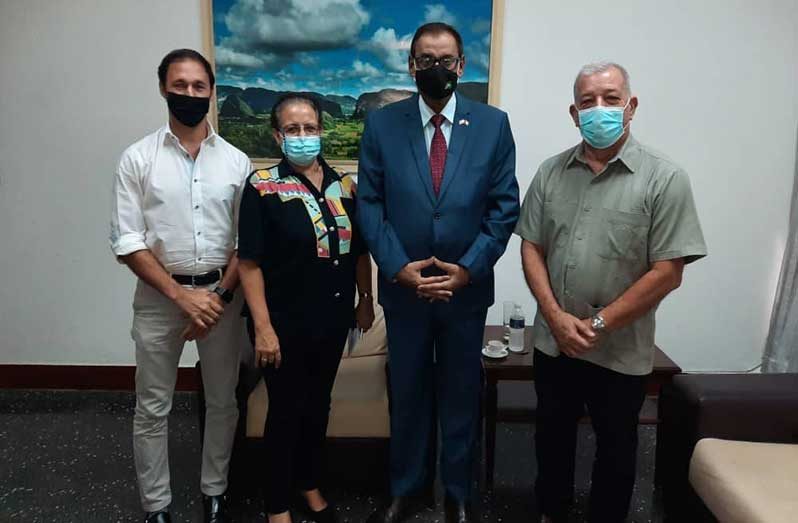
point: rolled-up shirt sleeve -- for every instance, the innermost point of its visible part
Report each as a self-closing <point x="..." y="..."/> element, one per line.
<point x="128" y="230"/>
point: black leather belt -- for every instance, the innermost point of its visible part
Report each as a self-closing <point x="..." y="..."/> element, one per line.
<point x="198" y="280"/>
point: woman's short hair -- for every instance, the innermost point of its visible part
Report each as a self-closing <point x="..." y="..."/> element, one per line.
<point x="292" y="98"/>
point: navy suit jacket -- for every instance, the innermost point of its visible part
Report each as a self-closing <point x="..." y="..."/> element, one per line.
<point x="469" y="223"/>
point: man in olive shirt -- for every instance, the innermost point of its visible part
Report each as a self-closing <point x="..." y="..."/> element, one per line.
<point x="607" y="229"/>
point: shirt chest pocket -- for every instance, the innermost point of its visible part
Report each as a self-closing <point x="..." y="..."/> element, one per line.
<point x="623" y="235"/>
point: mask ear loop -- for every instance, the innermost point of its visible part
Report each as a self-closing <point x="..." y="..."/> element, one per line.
<point x="626" y="127"/>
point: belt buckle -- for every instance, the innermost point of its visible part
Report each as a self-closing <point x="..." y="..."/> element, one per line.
<point x="194" y="277"/>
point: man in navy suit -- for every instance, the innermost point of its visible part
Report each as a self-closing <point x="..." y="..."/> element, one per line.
<point x="438" y="200"/>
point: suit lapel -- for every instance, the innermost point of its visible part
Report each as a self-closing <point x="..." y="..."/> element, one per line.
<point x="458" y="142"/>
<point x="415" y="133"/>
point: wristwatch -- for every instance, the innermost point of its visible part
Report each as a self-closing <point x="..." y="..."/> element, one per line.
<point x="224" y="294"/>
<point x="597" y="323"/>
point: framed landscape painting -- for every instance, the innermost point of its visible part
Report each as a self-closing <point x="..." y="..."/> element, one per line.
<point x="351" y="55"/>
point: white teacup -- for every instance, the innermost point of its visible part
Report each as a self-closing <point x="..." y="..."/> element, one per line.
<point x="495" y="347"/>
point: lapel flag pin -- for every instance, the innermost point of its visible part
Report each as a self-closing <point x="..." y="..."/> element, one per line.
<point x="463" y="122"/>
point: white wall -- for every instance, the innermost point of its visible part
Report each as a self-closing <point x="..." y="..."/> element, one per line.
<point x="716" y="81"/>
<point x="77" y="85"/>
<point x="717" y="87"/>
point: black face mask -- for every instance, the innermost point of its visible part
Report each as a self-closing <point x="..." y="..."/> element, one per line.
<point x="437" y="82"/>
<point x="189" y="110"/>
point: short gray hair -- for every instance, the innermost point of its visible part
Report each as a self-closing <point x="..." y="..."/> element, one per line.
<point x="601" y="67"/>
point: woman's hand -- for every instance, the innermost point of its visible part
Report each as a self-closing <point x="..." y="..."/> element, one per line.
<point x="364" y="313"/>
<point x="267" y="347"/>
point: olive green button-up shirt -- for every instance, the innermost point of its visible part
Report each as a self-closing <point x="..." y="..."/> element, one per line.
<point x="601" y="233"/>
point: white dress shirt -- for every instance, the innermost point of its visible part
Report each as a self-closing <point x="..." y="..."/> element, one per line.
<point x="446" y="126"/>
<point x="183" y="210"/>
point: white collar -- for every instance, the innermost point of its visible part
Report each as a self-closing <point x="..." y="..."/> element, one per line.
<point x="210" y="138"/>
<point x="427" y="113"/>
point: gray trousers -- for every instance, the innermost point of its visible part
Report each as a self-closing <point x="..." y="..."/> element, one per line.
<point x="157" y="326"/>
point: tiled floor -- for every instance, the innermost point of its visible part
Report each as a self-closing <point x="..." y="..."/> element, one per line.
<point x="67" y="457"/>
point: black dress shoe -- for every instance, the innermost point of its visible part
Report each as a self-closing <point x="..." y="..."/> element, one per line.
<point x="326" y="515"/>
<point x="458" y="511"/>
<point x="215" y="508"/>
<point x="162" y="516"/>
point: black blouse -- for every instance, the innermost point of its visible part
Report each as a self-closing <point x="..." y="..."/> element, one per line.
<point x="306" y="244"/>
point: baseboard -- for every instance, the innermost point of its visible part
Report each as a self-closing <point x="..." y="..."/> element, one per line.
<point x="84" y="377"/>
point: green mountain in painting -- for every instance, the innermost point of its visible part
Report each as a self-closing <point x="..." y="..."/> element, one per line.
<point x="235" y="107"/>
<point x="244" y="117"/>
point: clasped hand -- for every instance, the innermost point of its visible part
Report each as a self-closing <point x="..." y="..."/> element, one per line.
<point x="434" y="288"/>
<point x="574" y="336"/>
<point x="203" y="309"/>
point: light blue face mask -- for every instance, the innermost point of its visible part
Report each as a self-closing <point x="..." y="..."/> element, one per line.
<point x="301" y="150"/>
<point x="602" y="126"/>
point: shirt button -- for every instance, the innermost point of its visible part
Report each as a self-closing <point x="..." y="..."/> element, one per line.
<point x="195" y="180"/>
<point x="199" y="234"/>
<point x="437" y="216"/>
<point x="335" y="262"/>
<point x="196" y="206"/>
<point x="331" y="229"/>
<point x="199" y="259"/>
<point x="321" y="200"/>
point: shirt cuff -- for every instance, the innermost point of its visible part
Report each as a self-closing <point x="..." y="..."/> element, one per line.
<point x="527" y="235"/>
<point x="689" y="254"/>
<point x="128" y="243"/>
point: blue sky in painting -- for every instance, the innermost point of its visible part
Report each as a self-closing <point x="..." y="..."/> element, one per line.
<point x="337" y="46"/>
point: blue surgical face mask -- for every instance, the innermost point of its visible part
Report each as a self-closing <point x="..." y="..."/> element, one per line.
<point x="301" y="150"/>
<point x="602" y="126"/>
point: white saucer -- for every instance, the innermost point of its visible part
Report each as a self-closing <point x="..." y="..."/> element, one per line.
<point x="499" y="355"/>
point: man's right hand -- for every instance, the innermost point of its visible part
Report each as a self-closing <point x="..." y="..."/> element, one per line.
<point x="410" y="276"/>
<point x="200" y="305"/>
<point x="574" y="337"/>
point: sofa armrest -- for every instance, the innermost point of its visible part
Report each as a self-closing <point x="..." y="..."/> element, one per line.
<point x="748" y="407"/>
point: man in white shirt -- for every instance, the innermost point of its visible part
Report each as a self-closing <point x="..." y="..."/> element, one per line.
<point x="174" y="224"/>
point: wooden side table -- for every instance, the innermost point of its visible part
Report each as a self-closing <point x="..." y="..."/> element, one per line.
<point x="518" y="367"/>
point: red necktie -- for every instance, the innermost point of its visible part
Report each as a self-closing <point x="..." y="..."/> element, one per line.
<point x="437" y="153"/>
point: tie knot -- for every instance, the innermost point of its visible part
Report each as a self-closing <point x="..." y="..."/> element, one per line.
<point x="437" y="120"/>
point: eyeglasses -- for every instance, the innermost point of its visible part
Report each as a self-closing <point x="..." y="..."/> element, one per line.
<point x="296" y="130"/>
<point x="426" y="61"/>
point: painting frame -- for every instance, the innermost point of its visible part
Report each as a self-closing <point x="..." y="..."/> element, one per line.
<point x="494" y="73"/>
